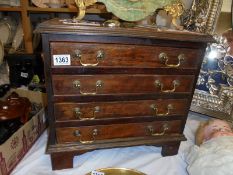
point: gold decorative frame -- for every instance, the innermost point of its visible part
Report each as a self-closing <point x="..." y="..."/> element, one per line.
<point x="214" y="12"/>
<point x="202" y="16"/>
<point x="218" y="100"/>
<point x="218" y="106"/>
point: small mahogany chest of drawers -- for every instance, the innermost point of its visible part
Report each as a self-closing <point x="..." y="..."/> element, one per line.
<point x="117" y="87"/>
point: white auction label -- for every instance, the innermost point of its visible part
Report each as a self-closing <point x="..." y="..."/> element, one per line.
<point x="61" y="60"/>
<point x="24" y="74"/>
<point x="97" y="173"/>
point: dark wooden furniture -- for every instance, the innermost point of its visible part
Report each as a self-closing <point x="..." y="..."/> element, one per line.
<point x="15" y="107"/>
<point x="122" y="87"/>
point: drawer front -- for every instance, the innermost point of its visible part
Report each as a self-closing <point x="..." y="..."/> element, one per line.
<point x="120" y="84"/>
<point x="116" y="55"/>
<point x="90" y="134"/>
<point x="101" y="110"/>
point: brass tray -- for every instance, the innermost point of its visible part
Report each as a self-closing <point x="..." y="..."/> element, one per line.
<point x="118" y="171"/>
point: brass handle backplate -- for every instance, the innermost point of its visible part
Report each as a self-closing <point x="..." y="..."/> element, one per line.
<point x="100" y="55"/>
<point x="175" y="83"/>
<point x="156" y="111"/>
<point x="165" y="59"/>
<point x="165" y="127"/>
<point x="79" y="114"/>
<point x="98" y="85"/>
<point x="78" y="133"/>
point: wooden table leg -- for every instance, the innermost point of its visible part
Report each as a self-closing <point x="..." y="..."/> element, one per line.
<point x="170" y="150"/>
<point x="62" y="160"/>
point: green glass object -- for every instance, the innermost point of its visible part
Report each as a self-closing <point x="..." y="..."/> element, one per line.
<point x="134" y="10"/>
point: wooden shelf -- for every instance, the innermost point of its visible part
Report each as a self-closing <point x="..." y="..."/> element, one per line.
<point x="58" y="10"/>
<point x="10" y="9"/>
<point x="65" y="10"/>
<point x="26" y="9"/>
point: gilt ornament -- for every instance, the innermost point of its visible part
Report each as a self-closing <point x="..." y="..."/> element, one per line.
<point x="132" y="10"/>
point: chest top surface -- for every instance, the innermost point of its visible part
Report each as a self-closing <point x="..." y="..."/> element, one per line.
<point x="66" y="26"/>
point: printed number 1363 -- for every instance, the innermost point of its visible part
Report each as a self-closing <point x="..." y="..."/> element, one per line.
<point x="61" y="60"/>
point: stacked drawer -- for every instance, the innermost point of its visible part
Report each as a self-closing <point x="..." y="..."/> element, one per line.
<point x="121" y="105"/>
<point x="117" y="87"/>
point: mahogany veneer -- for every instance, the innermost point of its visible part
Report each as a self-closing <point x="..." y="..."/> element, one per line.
<point x="121" y="87"/>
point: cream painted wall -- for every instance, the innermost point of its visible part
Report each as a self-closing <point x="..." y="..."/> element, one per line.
<point x="226" y="7"/>
<point x="224" y="20"/>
